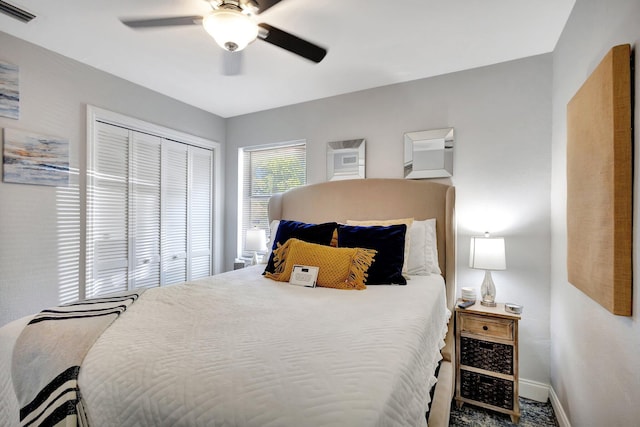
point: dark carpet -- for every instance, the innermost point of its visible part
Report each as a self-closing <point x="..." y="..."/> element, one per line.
<point x="532" y="414"/>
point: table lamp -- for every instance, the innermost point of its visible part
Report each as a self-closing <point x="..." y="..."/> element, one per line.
<point x="255" y="240"/>
<point x="487" y="253"/>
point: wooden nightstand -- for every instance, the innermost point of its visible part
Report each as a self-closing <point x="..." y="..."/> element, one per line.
<point x="487" y="359"/>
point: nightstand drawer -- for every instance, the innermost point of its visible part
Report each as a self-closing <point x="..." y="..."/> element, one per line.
<point x="490" y="356"/>
<point x="490" y="390"/>
<point x="487" y="327"/>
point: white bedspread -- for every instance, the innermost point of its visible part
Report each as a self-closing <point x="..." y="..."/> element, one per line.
<point x="238" y="349"/>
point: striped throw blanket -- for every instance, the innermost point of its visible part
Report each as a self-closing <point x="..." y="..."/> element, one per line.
<point x="48" y="354"/>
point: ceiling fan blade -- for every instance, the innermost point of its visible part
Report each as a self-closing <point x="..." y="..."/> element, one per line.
<point x="232" y="63"/>
<point x="266" y="4"/>
<point x="163" y="22"/>
<point x="291" y="43"/>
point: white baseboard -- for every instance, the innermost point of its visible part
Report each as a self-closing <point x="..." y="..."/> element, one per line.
<point x="534" y="390"/>
<point x="561" y="416"/>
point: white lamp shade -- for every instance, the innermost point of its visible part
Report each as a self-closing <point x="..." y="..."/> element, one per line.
<point x="487" y="253"/>
<point x="255" y="240"/>
<point x="231" y="29"/>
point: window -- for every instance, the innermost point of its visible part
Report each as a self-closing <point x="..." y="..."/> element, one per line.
<point x="266" y="171"/>
<point x="150" y="208"/>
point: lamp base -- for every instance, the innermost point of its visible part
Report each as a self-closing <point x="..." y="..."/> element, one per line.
<point x="255" y="260"/>
<point x="488" y="291"/>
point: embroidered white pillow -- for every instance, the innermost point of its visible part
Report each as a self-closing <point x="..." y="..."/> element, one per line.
<point x="423" y="251"/>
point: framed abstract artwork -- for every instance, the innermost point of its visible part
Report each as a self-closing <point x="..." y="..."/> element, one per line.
<point x="9" y="91"/>
<point x="31" y="158"/>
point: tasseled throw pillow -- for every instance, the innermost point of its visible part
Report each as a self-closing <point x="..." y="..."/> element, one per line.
<point x="339" y="268"/>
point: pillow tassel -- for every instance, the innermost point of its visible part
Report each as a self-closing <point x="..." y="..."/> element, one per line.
<point x="279" y="258"/>
<point x="362" y="259"/>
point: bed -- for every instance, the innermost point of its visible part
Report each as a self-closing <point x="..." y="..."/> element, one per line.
<point x="240" y="349"/>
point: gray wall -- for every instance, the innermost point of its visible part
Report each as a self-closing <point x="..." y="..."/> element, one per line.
<point x="40" y="227"/>
<point x="505" y="168"/>
<point x="502" y="119"/>
<point x="595" y="368"/>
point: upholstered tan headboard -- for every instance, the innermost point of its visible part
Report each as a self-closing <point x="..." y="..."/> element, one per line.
<point x="361" y="199"/>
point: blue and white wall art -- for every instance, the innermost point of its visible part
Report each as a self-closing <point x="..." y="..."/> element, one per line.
<point x="29" y="158"/>
<point x="9" y="91"/>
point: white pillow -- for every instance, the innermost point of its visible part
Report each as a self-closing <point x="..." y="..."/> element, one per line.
<point x="417" y="264"/>
<point x="423" y="251"/>
<point x="273" y="227"/>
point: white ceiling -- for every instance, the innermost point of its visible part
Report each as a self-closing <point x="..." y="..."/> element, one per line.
<point x="371" y="43"/>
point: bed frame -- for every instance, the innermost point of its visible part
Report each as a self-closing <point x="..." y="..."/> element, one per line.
<point x="362" y="199"/>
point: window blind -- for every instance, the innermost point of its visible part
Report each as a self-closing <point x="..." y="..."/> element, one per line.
<point x="267" y="171"/>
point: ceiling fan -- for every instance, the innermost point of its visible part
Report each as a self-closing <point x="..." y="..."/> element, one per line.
<point x="232" y="26"/>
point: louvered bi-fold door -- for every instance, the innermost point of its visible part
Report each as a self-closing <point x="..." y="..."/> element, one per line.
<point x="149" y="219"/>
<point x="145" y="210"/>
<point x="174" y="211"/>
<point x="108" y="194"/>
<point x="200" y="212"/>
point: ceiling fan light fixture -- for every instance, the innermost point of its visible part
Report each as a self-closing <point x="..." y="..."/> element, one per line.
<point x="231" y="29"/>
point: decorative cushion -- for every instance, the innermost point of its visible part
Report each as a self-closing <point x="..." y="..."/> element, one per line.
<point x="385" y="222"/>
<point x="312" y="233"/>
<point x="423" y="253"/>
<point x="339" y="268"/>
<point x="273" y="230"/>
<point x="388" y="241"/>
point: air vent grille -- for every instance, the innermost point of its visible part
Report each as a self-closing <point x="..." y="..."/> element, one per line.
<point x="15" y="12"/>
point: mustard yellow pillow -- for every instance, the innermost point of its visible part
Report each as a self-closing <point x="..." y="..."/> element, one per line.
<point x="339" y="268"/>
<point x="385" y="222"/>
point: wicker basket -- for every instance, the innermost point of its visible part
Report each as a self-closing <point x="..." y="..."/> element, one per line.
<point x="486" y="355"/>
<point x="486" y="389"/>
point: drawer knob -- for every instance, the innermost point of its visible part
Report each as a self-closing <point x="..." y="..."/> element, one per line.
<point x="485" y="328"/>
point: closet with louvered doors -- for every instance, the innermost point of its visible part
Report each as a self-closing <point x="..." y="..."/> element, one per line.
<point x="149" y="210"/>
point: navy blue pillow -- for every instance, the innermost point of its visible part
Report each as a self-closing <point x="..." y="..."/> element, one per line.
<point x="312" y="233"/>
<point x="388" y="241"/>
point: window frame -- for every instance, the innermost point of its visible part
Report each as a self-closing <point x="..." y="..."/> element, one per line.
<point x="242" y="196"/>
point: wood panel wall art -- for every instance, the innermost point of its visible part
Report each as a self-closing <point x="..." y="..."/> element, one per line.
<point x="599" y="184"/>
